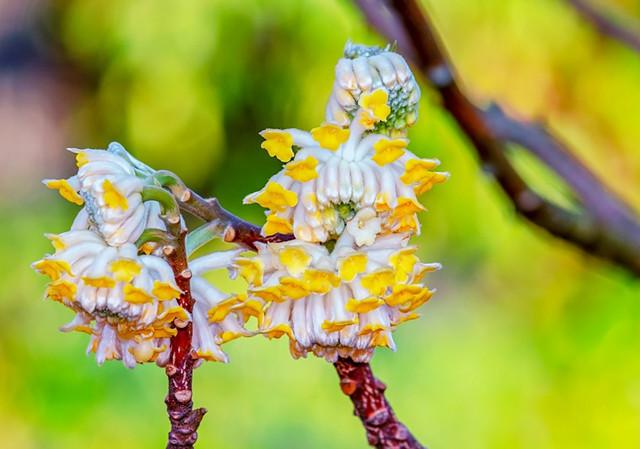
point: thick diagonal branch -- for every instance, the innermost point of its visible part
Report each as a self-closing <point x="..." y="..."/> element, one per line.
<point x="606" y="25"/>
<point x="233" y="229"/>
<point x="605" y="226"/>
<point x="184" y="419"/>
<point x="384" y="431"/>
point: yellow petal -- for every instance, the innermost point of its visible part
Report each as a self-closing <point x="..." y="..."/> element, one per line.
<point x="372" y="328"/>
<point x="295" y="259"/>
<point x="278" y="143"/>
<point x="112" y="197"/>
<point x="417" y="300"/>
<point x="56" y="241"/>
<point x="251" y="269"/>
<point x="136" y="295"/>
<point x="349" y="267"/>
<point x="380" y="339"/>
<point x="276" y="198"/>
<point x="62" y="289"/>
<point x="403" y="262"/>
<point x="379" y="281"/>
<point x="363" y="305"/>
<point x="53" y="268"/>
<point x="81" y="159"/>
<point x="220" y="311"/>
<point x="293" y="288"/>
<point x="387" y="151"/>
<point x="165" y="291"/>
<point x="330" y="136"/>
<point x="278" y="331"/>
<point x="276" y="225"/>
<point x="65" y="190"/>
<point x="376" y="103"/>
<point x="418" y="169"/>
<point x="403" y="294"/>
<point x="406" y="206"/>
<point x="268" y="294"/>
<point x="171" y="314"/>
<point x="125" y="269"/>
<point x="302" y="171"/>
<point x="337" y="326"/>
<point x="320" y="281"/>
<point x="99" y="282"/>
<point x="250" y="308"/>
<point x="428" y="183"/>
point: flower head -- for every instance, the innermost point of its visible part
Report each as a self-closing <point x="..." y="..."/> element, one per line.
<point x="364" y="76"/>
<point x="319" y="192"/>
<point x="340" y="303"/>
<point x="110" y="189"/>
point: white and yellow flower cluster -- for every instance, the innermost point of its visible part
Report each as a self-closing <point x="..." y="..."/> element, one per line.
<point x="365" y="69"/>
<point x="349" y="194"/>
<point x="343" y="302"/>
<point x="126" y="297"/>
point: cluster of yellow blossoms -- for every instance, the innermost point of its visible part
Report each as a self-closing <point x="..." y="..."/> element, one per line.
<point x="348" y="192"/>
<point x="125" y="297"/>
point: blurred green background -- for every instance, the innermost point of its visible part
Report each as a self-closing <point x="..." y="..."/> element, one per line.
<point x="528" y="343"/>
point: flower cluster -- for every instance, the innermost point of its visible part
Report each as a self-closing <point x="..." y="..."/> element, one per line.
<point x="126" y="297"/>
<point x="364" y="69"/>
<point x="349" y="194"/>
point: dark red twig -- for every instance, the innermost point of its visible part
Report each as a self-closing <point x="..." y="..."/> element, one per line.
<point x="232" y="228"/>
<point x="184" y="419"/>
<point x="384" y="431"/>
<point x="607" y="25"/>
<point x="604" y="226"/>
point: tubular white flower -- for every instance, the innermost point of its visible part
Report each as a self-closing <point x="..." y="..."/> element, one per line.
<point x="126" y="302"/>
<point x="344" y="303"/>
<point x="344" y="171"/>
<point x="111" y="192"/>
<point x="361" y="71"/>
<point x="217" y="318"/>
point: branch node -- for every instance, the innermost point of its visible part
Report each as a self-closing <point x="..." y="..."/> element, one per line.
<point x="229" y="234"/>
<point x="183" y="396"/>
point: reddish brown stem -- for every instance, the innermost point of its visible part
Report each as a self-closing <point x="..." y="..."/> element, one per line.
<point x="184" y="419"/>
<point x="233" y="229"/>
<point x="384" y="431"/>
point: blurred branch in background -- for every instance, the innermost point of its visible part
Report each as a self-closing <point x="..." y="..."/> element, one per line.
<point x="604" y="226"/>
<point x="607" y="25"/>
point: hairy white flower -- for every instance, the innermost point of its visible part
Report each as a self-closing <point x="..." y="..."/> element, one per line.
<point x="336" y="173"/>
<point x="127" y="302"/>
<point x="210" y="330"/>
<point x="111" y="191"/>
<point x="344" y="303"/>
<point x="361" y="71"/>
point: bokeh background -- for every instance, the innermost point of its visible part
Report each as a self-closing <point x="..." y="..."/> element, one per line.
<point x="528" y="343"/>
